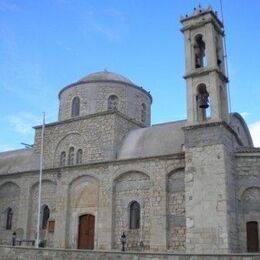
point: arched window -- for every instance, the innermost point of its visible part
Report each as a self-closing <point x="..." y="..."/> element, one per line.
<point x="252" y="236"/>
<point x="79" y="156"/>
<point x="71" y="156"/>
<point x="63" y="158"/>
<point x="75" y="107"/>
<point x="45" y="216"/>
<point x="199" y="52"/>
<point x="112" y="103"/>
<point x="9" y="218"/>
<point x="143" y="112"/>
<point x="202" y="102"/>
<point x="134" y="215"/>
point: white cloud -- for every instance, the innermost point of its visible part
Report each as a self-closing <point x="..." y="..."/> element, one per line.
<point x="255" y="133"/>
<point x="23" y="122"/>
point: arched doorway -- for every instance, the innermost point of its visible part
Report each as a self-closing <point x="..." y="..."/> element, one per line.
<point x="252" y="236"/>
<point x="86" y="232"/>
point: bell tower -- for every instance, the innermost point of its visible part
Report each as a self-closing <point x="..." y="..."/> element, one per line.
<point x="205" y="67"/>
<point x="210" y="207"/>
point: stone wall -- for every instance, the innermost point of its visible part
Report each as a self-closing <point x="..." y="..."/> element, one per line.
<point x="99" y="137"/>
<point x="248" y="193"/>
<point x="11" y="253"/>
<point x="102" y="189"/>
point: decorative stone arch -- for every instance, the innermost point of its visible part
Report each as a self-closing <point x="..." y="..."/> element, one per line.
<point x="9" y="208"/>
<point x="249" y="201"/>
<point x="172" y="167"/>
<point x="246" y="187"/>
<point x="83" y="199"/>
<point x="174" y="170"/>
<point x="9" y="182"/>
<point x="125" y="170"/>
<point x="131" y="185"/>
<point x="59" y="149"/>
<point x="82" y="178"/>
<point x="36" y="183"/>
<point x="49" y="189"/>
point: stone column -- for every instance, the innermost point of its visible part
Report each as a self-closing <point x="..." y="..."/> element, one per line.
<point x="104" y="218"/>
<point x="61" y="215"/>
<point x="24" y="205"/>
<point x="158" y="213"/>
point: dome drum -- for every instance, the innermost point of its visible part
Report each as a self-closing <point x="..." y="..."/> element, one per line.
<point x="104" y="91"/>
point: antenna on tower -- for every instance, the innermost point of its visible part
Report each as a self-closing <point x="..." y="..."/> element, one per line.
<point x="225" y="55"/>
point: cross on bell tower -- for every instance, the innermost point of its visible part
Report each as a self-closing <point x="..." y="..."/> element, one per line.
<point x="205" y="67"/>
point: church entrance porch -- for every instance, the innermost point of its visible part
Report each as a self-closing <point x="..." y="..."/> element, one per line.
<point x="86" y="232"/>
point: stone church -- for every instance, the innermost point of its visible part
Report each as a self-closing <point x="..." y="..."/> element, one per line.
<point x="184" y="186"/>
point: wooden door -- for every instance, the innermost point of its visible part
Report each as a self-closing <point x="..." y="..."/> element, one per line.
<point x="86" y="232"/>
<point x="252" y="236"/>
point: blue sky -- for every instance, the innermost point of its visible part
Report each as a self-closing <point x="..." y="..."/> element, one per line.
<point x="46" y="45"/>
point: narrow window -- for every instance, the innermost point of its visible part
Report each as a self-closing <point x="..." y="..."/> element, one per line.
<point x="202" y="102"/>
<point x="79" y="156"/>
<point x="75" y="107"/>
<point x="45" y="216"/>
<point x="143" y="113"/>
<point x="199" y="52"/>
<point x="63" y="158"/>
<point x="252" y="236"/>
<point x="9" y="218"/>
<point x="217" y="52"/>
<point x="134" y="215"/>
<point x="71" y="156"/>
<point x="112" y="103"/>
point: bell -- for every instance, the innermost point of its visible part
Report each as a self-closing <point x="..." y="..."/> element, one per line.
<point x="203" y="101"/>
<point x="205" y="105"/>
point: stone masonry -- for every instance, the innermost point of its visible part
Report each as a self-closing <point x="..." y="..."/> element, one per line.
<point x="176" y="189"/>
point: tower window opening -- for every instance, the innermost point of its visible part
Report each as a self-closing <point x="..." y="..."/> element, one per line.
<point x="112" y="103"/>
<point x="71" y="156"/>
<point x="199" y="52"/>
<point x="143" y="112"/>
<point x="75" y="107"/>
<point x="203" y="102"/>
<point x="134" y="215"/>
<point x="9" y="218"/>
<point x="217" y="52"/>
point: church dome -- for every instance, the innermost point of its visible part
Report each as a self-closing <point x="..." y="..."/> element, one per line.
<point x="103" y="91"/>
<point x="105" y="75"/>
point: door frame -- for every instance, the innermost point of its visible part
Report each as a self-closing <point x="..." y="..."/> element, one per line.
<point x="78" y="225"/>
